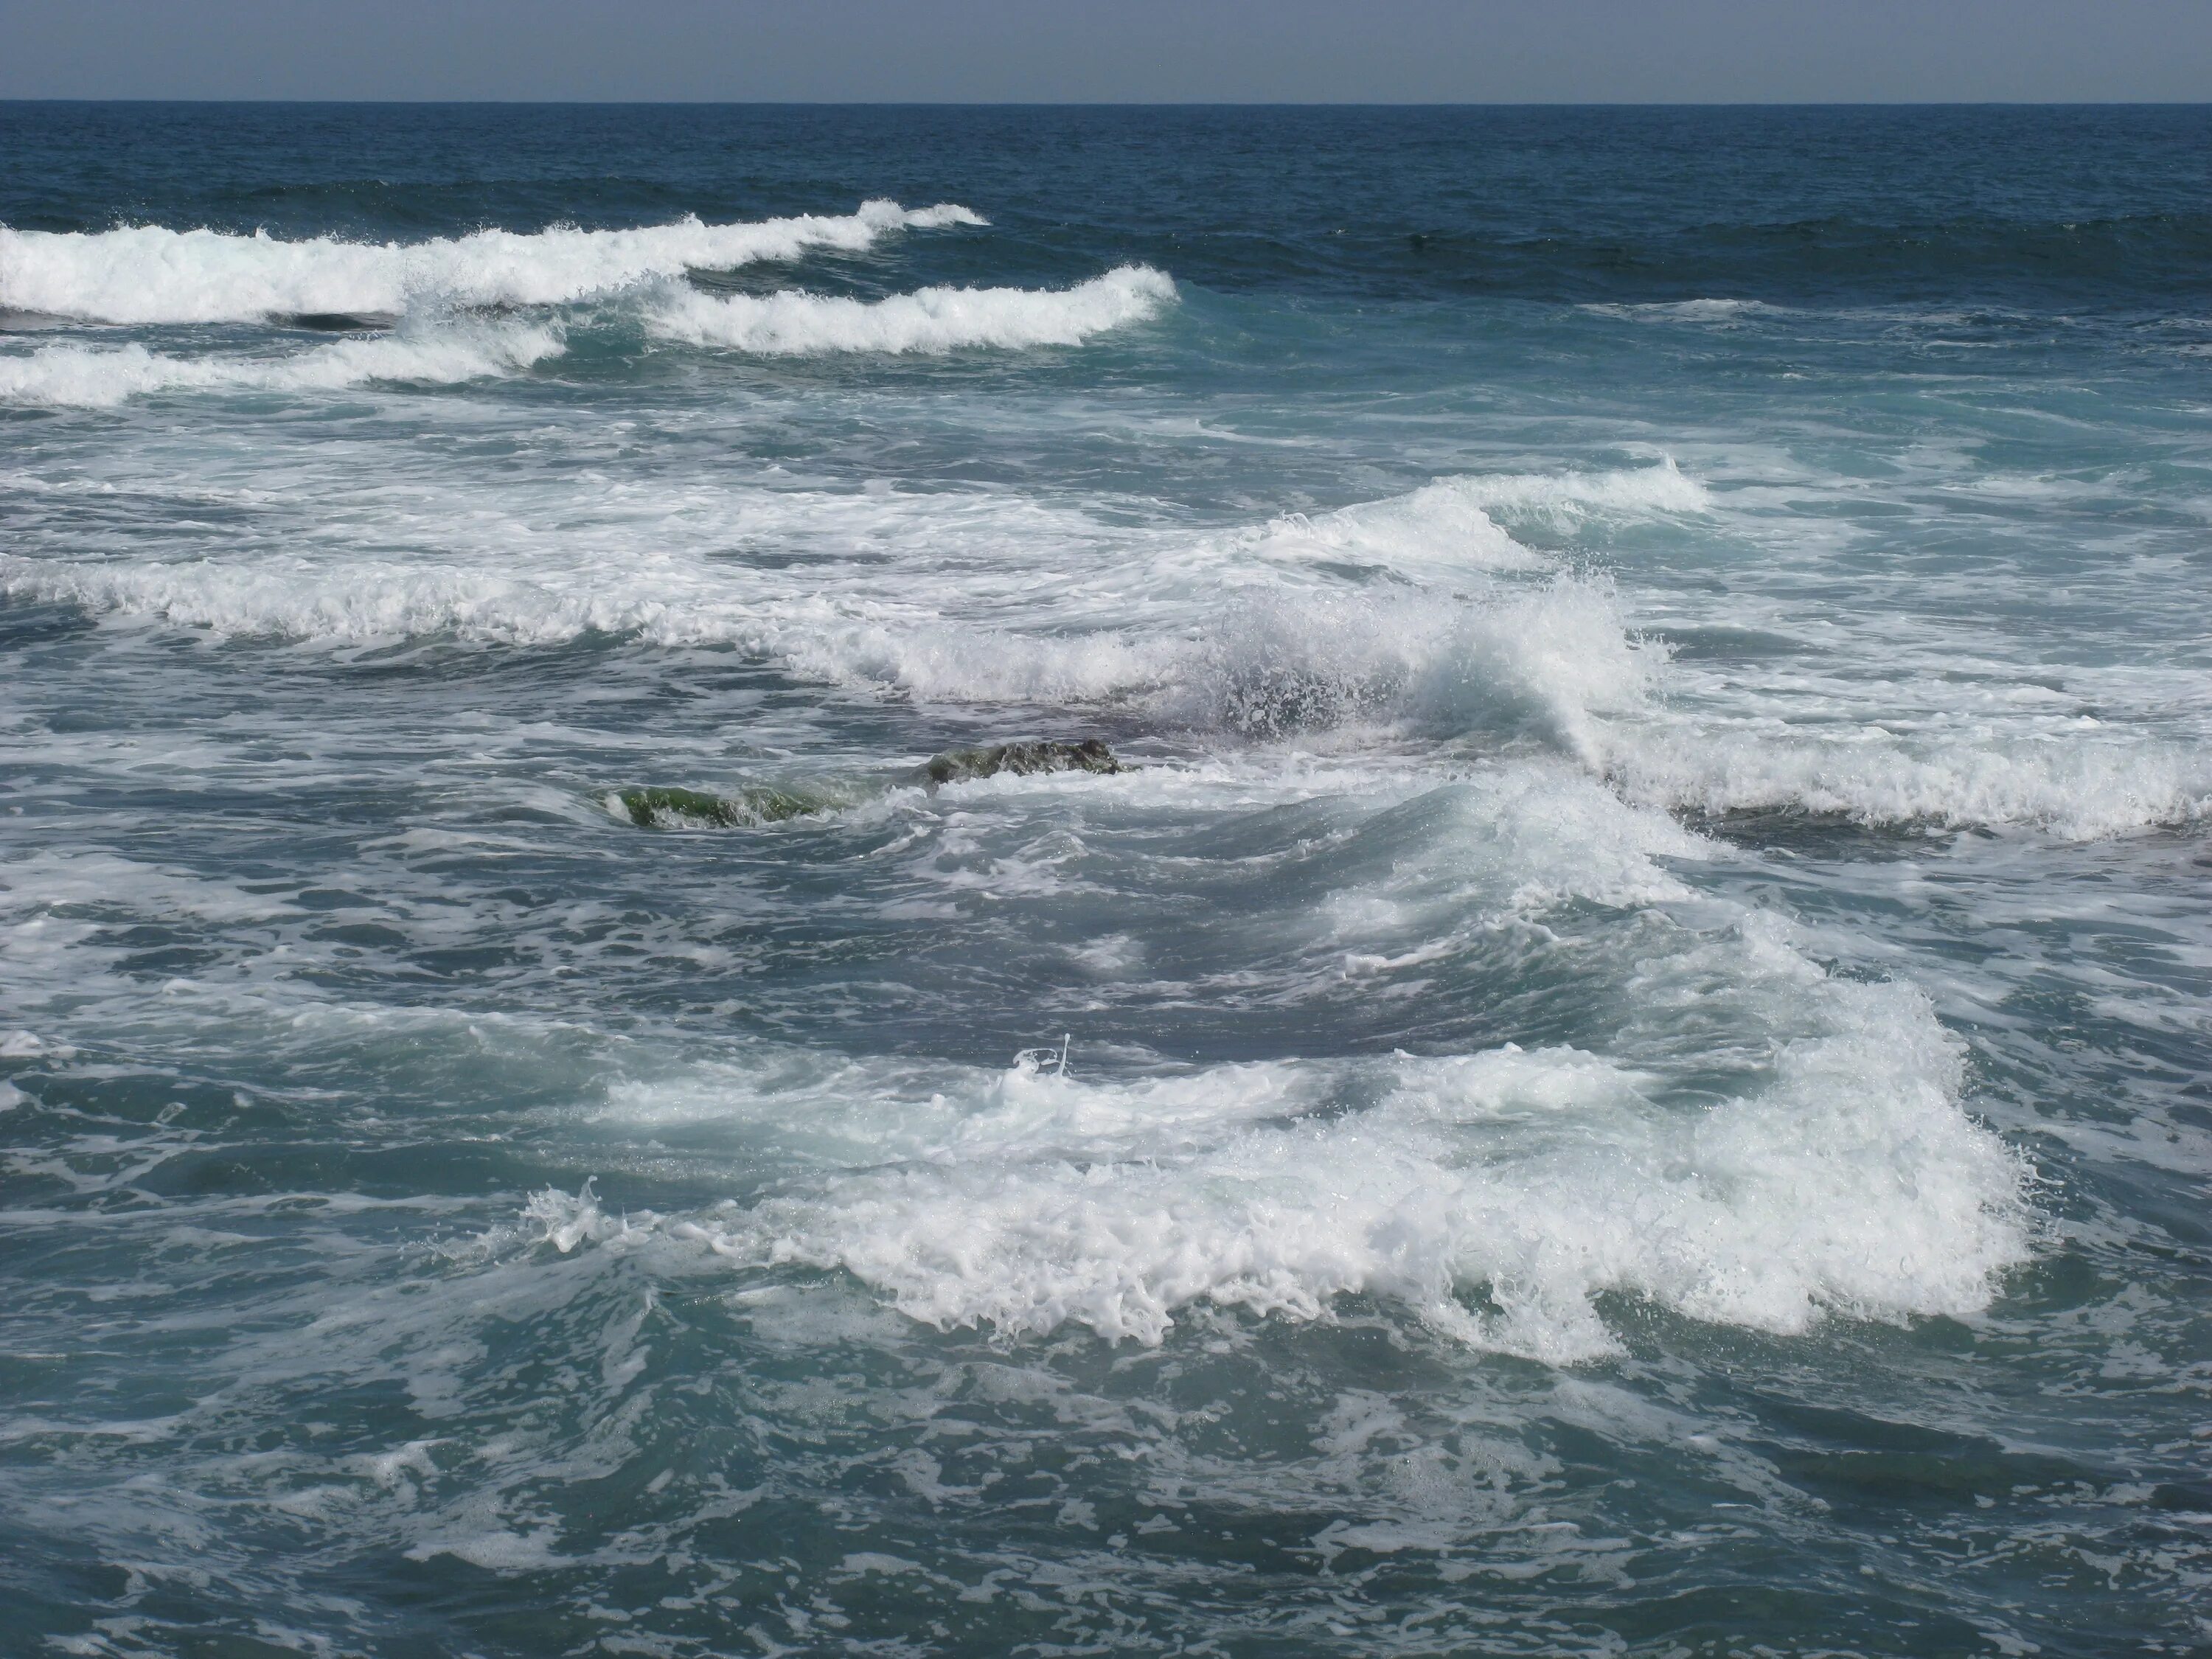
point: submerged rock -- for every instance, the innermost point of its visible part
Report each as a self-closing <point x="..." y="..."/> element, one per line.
<point x="693" y="809"/>
<point x="961" y="765"/>
<point x="341" y="322"/>
<point x="662" y="807"/>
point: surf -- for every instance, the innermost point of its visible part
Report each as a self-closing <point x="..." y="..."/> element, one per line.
<point x="151" y="274"/>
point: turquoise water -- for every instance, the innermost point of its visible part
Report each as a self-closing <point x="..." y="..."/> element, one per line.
<point x="1622" y="1069"/>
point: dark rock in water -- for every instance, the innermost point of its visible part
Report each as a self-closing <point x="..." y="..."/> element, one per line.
<point x="686" y="809"/>
<point x="338" y="322"/>
<point x="660" y="807"/>
<point x="961" y="765"/>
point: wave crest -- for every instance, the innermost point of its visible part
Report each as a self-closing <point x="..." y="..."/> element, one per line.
<point x="2081" y="788"/>
<point x="1418" y="612"/>
<point x="928" y="320"/>
<point x="70" y="375"/>
<point x="149" y="274"/>
<point x="1496" y="1194"/>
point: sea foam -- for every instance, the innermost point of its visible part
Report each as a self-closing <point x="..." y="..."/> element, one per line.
<point x="72" y="375"/>
<point x="1418" y="611"/>
<point x="928" y="320"/>
<point x="150" y="274"/>
<point x="1497" y="1195"/>
<point x="1541" y="660"/>
<point x="1501" y="1195"/>
<point x="2083" y="787"/>
<point x="1660" y="488"/>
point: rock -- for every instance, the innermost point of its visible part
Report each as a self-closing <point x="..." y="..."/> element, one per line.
<point x="964" y="765"/>
<point x="693" y="809"/>
<point x="660" y="807"/>
<point x="341" y="322"/>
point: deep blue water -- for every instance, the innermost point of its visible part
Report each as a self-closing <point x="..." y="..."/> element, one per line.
<point x="1625" y="1069"/>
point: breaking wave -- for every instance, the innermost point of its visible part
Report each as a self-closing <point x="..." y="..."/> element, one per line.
<point x="929" y="320"/>
<point x="1259" y="633"/>
<point x="1536" y="660"/>
<point x="2082" y="788"/>
<point x="1497" y="1195"/>
<point x="70" y="375"/>
<point x="1450" y="527"/>
<point x="1661" y="487"/>
<point x="149" y="273"/>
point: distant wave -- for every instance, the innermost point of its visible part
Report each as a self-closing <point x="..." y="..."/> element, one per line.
<point x="149" y="274"/>
<point x="70" y="375"/>
<point x="930" y="319"/>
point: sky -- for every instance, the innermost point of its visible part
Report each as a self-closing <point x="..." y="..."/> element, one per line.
<point x="1126" y="51"/>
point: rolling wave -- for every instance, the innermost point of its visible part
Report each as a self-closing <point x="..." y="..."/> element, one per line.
<point x="147" y="274"/>
<point x="71" y="375"/>
<point x="2084" y="788"/>
<point x="1851" y="1183"/>
<point x="1262" y="634"/>
<point x="928" y="320"/>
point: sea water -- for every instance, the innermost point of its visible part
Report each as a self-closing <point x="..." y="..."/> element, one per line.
<point x="1622" y="1069"/>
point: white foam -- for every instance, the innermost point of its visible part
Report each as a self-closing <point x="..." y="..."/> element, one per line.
<point x="77" y="877"/>
<point x="1511" y="839"/>
<point x="71" y="375"/>
<point x="1544" y="660"/>
<point x="149" y="274"/>
<point x="2083" y="787"/>
<point x="1850" y="1183"/>
<point x="1439" y="530"/>
<point x="928" y="320"/>
<point x="1661" y="488"/>
<point x="1417" y="611"/>
<point x="1264" y="648"/>
<point x="1826" y="1166"/>
<point x="865" y="1114"/>
<point x="839" y="641"/>
<point x="1450" y="527"/>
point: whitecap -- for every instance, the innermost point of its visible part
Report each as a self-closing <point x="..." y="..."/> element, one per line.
<point x="1496" y="1194"/>
<point x="2082" y="787"/>
<point x="151" y="274"/>
<point x="73" y="375"/>
<point x="927" y="321"/>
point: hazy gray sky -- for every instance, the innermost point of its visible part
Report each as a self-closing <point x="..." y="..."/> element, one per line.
<point x="1052" y="51"/>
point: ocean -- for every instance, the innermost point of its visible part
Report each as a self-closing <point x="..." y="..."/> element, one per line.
<point x="1052" y="881"/>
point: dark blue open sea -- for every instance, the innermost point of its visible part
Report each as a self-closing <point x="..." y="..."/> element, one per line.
<point x="1623" y="1068"/>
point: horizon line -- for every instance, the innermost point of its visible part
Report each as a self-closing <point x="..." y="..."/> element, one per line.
<point x="1133" y="104"/>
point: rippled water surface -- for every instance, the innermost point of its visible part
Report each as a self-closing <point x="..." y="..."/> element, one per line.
<point x="1622" y="1067"/>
